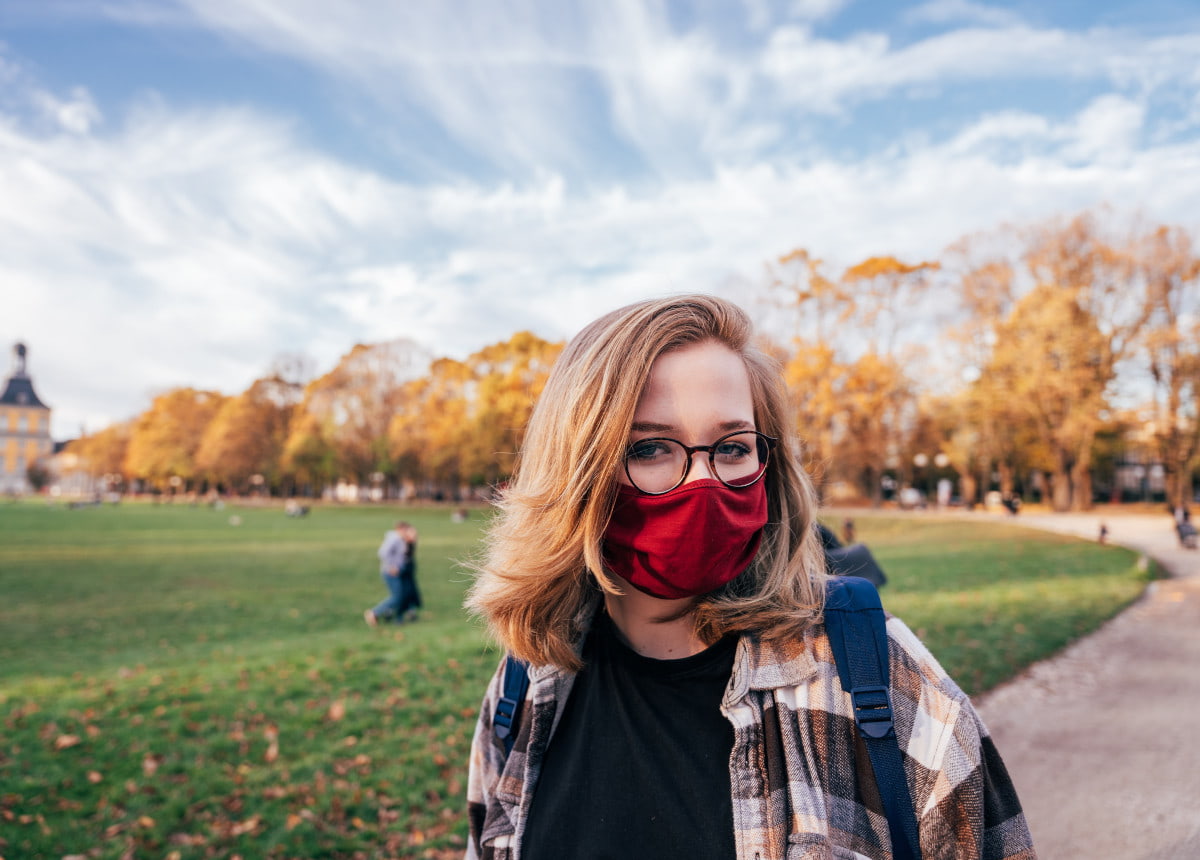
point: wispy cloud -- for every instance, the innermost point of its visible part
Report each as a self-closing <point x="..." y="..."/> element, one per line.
<point x="153" y="242"/>
<point x="963" y="11"/>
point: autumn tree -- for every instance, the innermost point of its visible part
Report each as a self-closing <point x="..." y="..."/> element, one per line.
<point x="1097" y="272"/>
<point x="165" y="438"/>
<point x="975" y="419"/>
<point x="428" y="433"/>
<point x="247" y="435"/>
<point x="464" y="421"/>
<point x="103" y="453"/>
<point x="308" y="458"/>
<point x="1170" y="344"/>
<point x="847" y="376"/>
<point x="351" y="407"/>
<point x="1052" y="364"/>
<point x="509" y="378"/>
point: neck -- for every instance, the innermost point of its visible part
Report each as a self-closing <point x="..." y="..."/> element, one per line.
<point x="637" y="618"/>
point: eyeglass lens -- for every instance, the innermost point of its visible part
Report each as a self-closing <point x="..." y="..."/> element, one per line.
<point x="659" y="465"/>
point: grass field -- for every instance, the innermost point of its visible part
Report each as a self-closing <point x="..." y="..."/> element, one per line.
<point x="172" y="685"/>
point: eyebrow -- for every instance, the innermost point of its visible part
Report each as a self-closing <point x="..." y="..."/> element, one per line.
<point x="653" y="427"/>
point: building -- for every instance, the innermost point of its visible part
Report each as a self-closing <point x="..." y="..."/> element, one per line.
<point x="24" y="428"/>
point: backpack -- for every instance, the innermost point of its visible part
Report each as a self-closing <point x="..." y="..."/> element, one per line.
<point x="857" y="633"/>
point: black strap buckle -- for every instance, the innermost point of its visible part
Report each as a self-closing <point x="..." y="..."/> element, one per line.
<point x="872" y="711"/>
<point x="503" y="719"/>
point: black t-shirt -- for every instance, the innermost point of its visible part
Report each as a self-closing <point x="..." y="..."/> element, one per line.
<point x="639" y="765"/>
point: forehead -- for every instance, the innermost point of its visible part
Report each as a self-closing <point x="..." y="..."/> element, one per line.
<point x="706" y="378"/>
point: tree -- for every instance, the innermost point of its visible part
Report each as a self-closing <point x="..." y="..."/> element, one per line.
<point x="427" y="435"/>
<point x="465" y="421"/>
<point x="850" y="392"/>
<point x="1170" y="344"/>
<point x="1098" y="273"/>
<point x="509" y="378"/>
<point x="1052" y="365"/>
<point x="166" y="436"/>
<point x="814" y="380"/>
<point x="876" y="402"/>
<point x="351" y="407"/>
<point x="308" y="456"/>
<point x="247" y="435"/>
<point x="37" y="475"/>
<point x="104" y="453"/>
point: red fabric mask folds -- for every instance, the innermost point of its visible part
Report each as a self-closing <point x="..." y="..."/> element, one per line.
<point x="687" y="542"/>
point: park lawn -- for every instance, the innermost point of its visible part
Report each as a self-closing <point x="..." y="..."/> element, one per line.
<point x="172" y="685"/>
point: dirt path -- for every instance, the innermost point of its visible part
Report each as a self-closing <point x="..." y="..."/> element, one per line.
<point x="1103" y="741"/>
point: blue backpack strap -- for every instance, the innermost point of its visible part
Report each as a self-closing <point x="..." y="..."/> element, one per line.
<point x="858" y="635"/>
<point x="516" y="682"/>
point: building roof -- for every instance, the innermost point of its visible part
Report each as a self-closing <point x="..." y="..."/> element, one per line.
<point x="19" y="390"/>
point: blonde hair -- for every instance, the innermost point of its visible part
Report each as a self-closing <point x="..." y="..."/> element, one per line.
<point x="543" y="558"/>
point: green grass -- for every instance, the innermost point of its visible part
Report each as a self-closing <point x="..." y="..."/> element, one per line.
<point x="172" y="685"/>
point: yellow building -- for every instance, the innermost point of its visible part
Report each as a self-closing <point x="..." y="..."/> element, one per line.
<point x="24" y="428"/>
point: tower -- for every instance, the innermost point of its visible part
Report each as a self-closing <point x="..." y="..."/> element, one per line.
<point x="24" y="426"/>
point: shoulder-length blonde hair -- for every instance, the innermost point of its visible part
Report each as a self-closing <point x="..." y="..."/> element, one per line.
<point x="543" y="558"/>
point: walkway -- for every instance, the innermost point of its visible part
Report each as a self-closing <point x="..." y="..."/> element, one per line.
<point x="1103" y="741"/>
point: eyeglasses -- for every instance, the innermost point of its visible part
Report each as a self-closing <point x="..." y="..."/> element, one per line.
<point x="659" y="465"/>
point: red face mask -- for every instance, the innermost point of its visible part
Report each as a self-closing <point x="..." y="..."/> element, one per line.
<point x="687" y="542"/>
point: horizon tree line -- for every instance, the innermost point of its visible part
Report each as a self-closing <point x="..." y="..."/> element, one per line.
<point x="1033" y="360"/>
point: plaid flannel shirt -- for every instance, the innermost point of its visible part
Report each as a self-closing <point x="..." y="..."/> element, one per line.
<point x="801" y="778"/>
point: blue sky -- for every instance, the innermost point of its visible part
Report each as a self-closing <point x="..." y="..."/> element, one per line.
<point x="189" y="188"/>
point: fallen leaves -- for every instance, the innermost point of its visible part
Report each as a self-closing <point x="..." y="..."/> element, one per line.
<point x="63" y="742"/>
<point x="271" y="733"/>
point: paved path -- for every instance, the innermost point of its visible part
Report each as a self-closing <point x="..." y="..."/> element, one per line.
<point x="1103" y="741"/>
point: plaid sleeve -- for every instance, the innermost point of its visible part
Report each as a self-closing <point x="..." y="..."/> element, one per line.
<point x="967" y="805"/>
<point x="487" y="761"/>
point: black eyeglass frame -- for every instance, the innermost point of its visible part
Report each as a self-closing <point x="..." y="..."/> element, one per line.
<point x="691" y="450"/>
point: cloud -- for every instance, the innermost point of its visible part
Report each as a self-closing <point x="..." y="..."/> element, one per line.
<point x="159" y="243"/>
<point x="192" y="247"/>
<point x="816" y="10"/>
<point x="592" y="92"/>
<point x="958" y="11"/>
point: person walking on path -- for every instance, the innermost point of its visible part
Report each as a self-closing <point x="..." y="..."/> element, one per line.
<point x="1098" y="738"/>
<point x="393" y="553"/>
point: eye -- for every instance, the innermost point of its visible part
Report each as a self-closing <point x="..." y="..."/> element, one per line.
<point x="648" y="450"/>
<point x="733" y="451"/>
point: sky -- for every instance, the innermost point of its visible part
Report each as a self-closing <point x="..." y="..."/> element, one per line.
<point x="191" y="188"/>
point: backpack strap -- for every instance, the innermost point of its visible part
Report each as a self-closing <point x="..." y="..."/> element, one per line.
<point x="516" y="682"/>
<point x="857" y="633"/>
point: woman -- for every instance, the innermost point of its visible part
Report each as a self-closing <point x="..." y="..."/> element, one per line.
<point x="655" y="562"/>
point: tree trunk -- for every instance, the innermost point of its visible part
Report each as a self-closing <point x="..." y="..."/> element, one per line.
<point x="1060" y="485"/>
<point x="1006" y="479"/>
<point x="1081" y="473"/>
<point x="970" y="488"/>
<point x="1081" y="487"/>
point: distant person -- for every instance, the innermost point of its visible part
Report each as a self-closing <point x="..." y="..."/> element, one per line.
<point x="410" y="595"/>
<point x="655" y="562"/>
<point x="1103" y="533"/>
<point x="393" y="553"/>
<point x="1185" y="529"/>
<point x="849" y="535"/>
